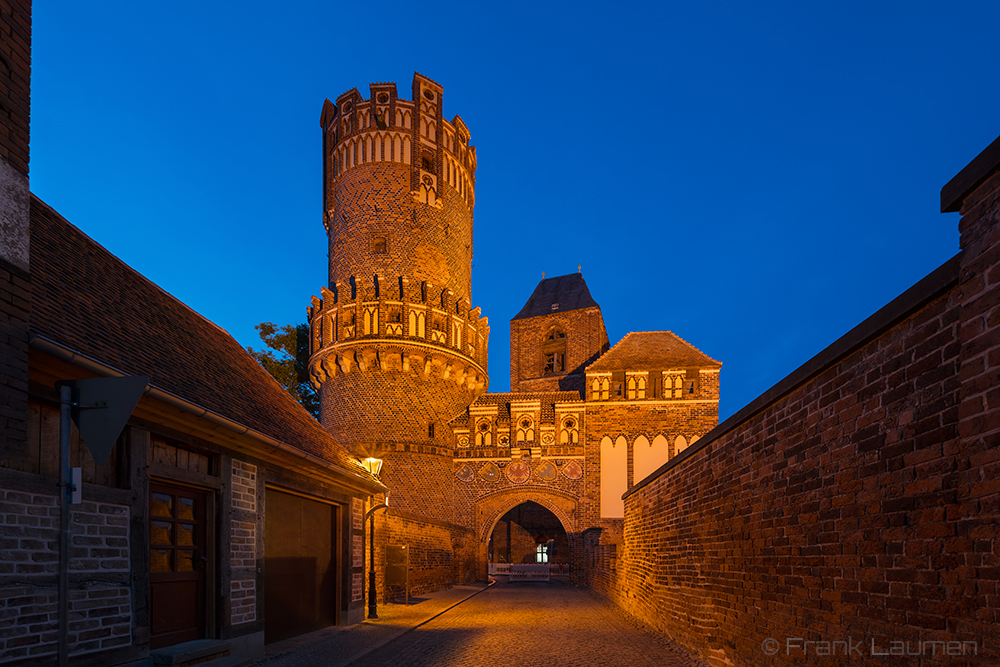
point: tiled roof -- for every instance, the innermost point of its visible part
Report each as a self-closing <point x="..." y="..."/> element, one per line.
<point x="85" y="298"/>
<point x="548" y="400"/>
<point x="642" y="350"/>
<point x="569" y="292"/>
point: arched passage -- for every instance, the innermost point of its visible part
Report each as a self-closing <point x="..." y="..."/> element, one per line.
<point x="491" y="509"/>
<point x="528" y="533"/>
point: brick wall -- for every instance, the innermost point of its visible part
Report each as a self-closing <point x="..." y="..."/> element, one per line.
<point x="100" y="613"/>
<point x="441" y="554"/>
<point x="585" y="340"/>
<point x="243" y="604"/>
<point x="857" y="501"/>
<point x="15" y="82"/>
<point x="245" y="541"/>
<point x="15" y="281"/>
<point x="244" y="483"/>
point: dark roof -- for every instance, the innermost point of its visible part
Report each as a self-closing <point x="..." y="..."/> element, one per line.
<point x="569" y="292"/>
<point x="642" y="350"/>
<point x="85" y="298"/>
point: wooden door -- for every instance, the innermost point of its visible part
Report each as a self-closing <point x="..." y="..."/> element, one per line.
<point x="177" y="562"/>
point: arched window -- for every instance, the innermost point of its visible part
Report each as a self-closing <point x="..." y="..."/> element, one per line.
<point x="614" y="480"/>
<point x="417" y="324"/>
<point x="631" y="388"/>
<point x="525" y="432"/>
<point x="371" y="321"/>
<point x="640" y="389"/>
<point x="570" y="432"/>
<point x="680" y="444"/>
<point x="484" y="436"/>
<point x="554" y="351"/>
<point x="542" y="553"/>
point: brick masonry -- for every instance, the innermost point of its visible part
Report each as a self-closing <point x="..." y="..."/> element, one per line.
<point x="399" y="355"/>
<point x="244" y="483"/>
<point x="859" y="501"/>
<point x="243" y="605"/>
<point x="586" y="339"/>
<point x="100" y="614"/>
<point x="15" y="280"/>
<point x="243" y="544"/>
<point x="15" y="82"/>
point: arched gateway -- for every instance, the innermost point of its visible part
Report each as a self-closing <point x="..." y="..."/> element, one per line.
<point x="527" y="525"/>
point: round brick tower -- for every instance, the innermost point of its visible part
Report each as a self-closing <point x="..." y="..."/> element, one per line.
<point x="396" y="348"/>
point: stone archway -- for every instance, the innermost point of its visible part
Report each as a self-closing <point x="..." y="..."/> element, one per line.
<point x="491" y="508"/>
<point x="528" y="534"/>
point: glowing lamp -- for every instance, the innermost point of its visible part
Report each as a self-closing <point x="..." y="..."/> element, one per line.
<point x="372" y="465"/>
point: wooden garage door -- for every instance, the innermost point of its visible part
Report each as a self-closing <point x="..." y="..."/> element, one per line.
<point x="300" y="565"/>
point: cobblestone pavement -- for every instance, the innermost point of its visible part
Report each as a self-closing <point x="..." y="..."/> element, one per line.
<point x="339" y="646"/>
<point x="551" y="624"/>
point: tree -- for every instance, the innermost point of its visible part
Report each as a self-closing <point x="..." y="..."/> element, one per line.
<point x="287" y="361"/>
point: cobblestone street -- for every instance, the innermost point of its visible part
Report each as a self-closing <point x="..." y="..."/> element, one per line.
<point x="512" y="625"/>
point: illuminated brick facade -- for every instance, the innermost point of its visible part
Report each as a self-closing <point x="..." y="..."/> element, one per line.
<point x="399" y="355"/>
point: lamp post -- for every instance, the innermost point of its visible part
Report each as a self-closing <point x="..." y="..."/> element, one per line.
<point x="374" y="466"/>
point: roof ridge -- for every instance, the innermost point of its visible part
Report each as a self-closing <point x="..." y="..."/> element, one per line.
<point x="131" y="268"/>
<point x="692" y="345"/>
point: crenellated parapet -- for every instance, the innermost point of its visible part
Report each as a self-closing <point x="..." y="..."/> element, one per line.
<point x="397" y="325"/>
<point x="386" y="129"/>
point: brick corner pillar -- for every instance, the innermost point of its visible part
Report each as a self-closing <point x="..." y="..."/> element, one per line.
<point x="975" y="193"/>
<point x="15" y="197"/>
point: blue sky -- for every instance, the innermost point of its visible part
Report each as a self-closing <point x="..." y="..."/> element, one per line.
<point x="756" y="177"/>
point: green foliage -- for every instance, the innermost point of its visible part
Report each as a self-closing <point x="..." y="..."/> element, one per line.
<point x="287" y="360"/>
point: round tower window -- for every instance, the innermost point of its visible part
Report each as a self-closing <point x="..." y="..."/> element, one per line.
<point x="428" y="94"/>
<point x="383" y="98"/>
<point x="525" y="423"/>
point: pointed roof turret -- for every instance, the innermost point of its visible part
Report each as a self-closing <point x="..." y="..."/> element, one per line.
<point x="557" y="295"/>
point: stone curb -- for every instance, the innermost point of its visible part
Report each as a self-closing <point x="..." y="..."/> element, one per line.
<point x="379" y="644"/>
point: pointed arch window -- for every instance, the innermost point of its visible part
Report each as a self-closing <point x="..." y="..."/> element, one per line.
<point x="570" y="432"/>
<point x="371" y="321"/>
<point x="525" y="430"/>
<point x="484" y="434"/>
<point x="417" y="324"/>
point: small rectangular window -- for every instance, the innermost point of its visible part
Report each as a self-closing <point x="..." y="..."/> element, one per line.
<point x="378" y="246"/>
<point x="430" y="430"/>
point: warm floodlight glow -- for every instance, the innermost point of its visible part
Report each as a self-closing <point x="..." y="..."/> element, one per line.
<point x="372" y="465"/>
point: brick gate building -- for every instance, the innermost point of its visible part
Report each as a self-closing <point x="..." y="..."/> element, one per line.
<point x="399" y="357"/>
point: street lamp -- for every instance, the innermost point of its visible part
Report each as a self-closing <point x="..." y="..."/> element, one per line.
<point x="374" y="466"/>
